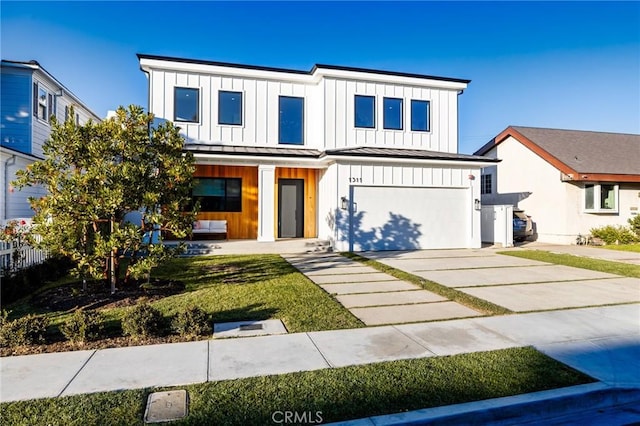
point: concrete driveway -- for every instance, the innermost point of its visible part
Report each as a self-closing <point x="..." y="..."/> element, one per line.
<point x="520" y="285"/>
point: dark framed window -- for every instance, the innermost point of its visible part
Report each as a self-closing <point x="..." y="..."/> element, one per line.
<point x="420" y="116"/>
<point x="485" y="184"/>
<point x="365" y="111"/>
<point x="392" y="113"/>
<point x="291" y="120"/>
<point x="66" y="112"/>
<point x="35" y="99"/>
<point x="43" y="106"/>
<point x="218" y="194"/>
<point x="186" y="105"/>
<point x="51" y="110"/>
<point x="230" y="108"/>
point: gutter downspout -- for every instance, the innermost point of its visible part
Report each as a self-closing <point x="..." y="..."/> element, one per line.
<point x="9" y="162"/>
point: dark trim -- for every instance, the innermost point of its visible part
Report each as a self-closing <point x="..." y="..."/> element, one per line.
<point x="292" y="71"/>
<point x="280" y="124"/>
<point x="384" y="112"/>
<point x="411" y="154"/>
<point x="175" y="118"/>
<point x="355" y="111"/>
<point x="272" y="152"/>
<point x="428" y="129"/>
<point x="241" y="108"/>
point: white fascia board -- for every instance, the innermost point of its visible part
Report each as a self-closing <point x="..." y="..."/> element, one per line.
<point x="156" y="64"/>
<point x="340" y="159"/>
<point x="388" y="79"/>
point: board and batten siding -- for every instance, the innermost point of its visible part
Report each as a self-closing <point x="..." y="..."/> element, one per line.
<point x="340" y="130"/>
<point x="260" y="107"/>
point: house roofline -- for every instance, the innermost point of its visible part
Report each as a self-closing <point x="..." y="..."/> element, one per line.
<point x="35" y="65"/>
<point x="313" y="71"/>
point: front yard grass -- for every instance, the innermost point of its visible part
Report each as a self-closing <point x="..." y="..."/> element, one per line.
<point x="618" y="268"/>
<point x="229" y="288"/>
<point x="623" y="247"/>
<point x="337" y="394"/>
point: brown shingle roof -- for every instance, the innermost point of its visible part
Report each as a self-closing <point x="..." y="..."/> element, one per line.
<point x="585" y="155"/>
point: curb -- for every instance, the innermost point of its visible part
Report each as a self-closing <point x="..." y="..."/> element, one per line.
<point x="519" y="409"/>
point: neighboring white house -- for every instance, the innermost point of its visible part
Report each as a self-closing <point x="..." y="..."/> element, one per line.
<point x="29" y="96"/>
<point x="367" y="159"/>
<point x="568" y="181"/>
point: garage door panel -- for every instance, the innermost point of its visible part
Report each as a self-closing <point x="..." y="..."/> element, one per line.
<point x="400" y="218"/>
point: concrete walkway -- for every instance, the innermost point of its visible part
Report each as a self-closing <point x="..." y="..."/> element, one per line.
<point x="603" y="342"/>
<point x="374" y="297"/>
<point x="585" y="251"/>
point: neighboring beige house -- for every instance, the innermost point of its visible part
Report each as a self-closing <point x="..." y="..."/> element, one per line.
<point x="568" y="181"/>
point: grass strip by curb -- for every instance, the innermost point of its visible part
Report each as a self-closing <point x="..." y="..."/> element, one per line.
<point x="332" y="394"/>
<point x="617" y="268"/>
<point x="452" y="294"/>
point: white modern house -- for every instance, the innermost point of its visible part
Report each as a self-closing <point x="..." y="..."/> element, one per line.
<point x="568" y="181"/>
<point x="367" y="159"/>
<point x="29" y="97"/>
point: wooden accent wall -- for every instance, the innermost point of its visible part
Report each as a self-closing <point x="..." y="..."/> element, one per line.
<point x="244" y="224"/>
<point x="310" y="177"/>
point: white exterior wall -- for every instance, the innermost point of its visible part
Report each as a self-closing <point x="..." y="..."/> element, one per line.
<point x="260" y="107"/>
<point x="336" y="181"/>
<point x="340" y="127"/>
<point x="15" y="203"/>
<point x="42" y="129"/>
<point x="329" y="105"/>
<point x="528" y="182"/>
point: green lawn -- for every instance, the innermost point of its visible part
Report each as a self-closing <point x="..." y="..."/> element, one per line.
<point x="235" y="288"/>
<point x="618" y="268"/>
<point x="444" y="291"/>
<point x="338" y="394"/>
<point x="624" y="247"/>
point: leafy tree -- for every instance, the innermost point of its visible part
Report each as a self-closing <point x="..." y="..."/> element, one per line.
<point x="94" y="175"/>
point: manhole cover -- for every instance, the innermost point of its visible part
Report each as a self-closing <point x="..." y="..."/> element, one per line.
<point x="166" y="406"/>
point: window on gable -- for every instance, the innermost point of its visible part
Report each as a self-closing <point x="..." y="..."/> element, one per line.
<point x="420" y="116"/>
<point x="218" y="194"/>
<point x="230" y="108"/>
<point x="186" y="104"/>
<point x="66" y="112"/>
<point x="392" y="113"/>
<point x="43" y="107"/>
<point x="291" y="120"/>
<point x="601" y="198"/>
<point x="365" y="111"/>
<point x="485" y="184"/>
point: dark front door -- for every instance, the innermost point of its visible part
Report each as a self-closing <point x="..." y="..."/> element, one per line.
<point x="290" y="208"/>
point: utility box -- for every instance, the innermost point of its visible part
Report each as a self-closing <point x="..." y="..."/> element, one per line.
<point x="497" y="225"/>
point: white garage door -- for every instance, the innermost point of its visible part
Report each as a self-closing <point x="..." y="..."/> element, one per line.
<point x="401" y="218"/>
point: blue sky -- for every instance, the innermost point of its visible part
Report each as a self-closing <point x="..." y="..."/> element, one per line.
<point x="569" y="65"/>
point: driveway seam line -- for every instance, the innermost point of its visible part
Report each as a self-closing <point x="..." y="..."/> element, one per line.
<point x="77" y="372"/>
<point x="414" y="340"/>
<point x="541" y="282"/>
<point x="319" y="351"/>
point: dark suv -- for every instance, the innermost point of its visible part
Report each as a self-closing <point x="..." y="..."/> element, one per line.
<point x="522" y="225"/>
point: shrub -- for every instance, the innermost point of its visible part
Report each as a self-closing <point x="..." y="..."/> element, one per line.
<point x="615" y="234"/>
<point x="27" y="330"/>
<point x="82" y="326"/>
<point x="191" y="322"/>
<point x="634" y="223"/>
<point x="28" y="280"/>
<point x="143" y="321"/>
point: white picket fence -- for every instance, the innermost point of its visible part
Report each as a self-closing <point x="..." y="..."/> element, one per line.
<point x="15" y="256"/>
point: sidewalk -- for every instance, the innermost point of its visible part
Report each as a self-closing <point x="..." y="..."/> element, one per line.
<point x="603" y="342"/>
<point x="585" y="251"/>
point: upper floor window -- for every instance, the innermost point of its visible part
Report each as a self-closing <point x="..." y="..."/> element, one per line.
<point x="186" y="104"/>
<point x="365" y="111"/>
<point x="392" y="113"/>
<point x="42" y="102"/>
<point x="485" y="184"/>
<point x="291" y="120"/>
<point x="419" y="116"/>
<point x="601" y="198"/>
<point x="218" y="194"/>
<point x="230" y="108"/>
